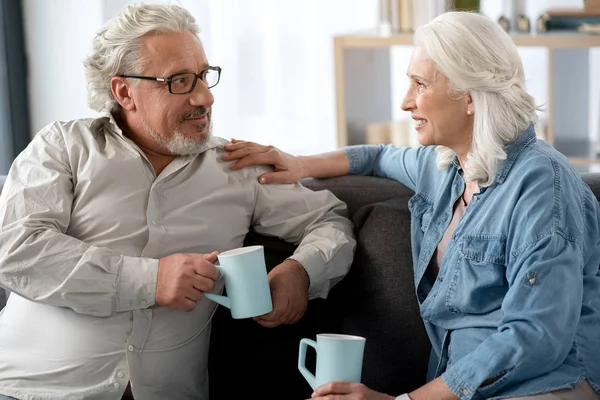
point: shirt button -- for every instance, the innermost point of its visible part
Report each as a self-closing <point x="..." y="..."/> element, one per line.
<point x="116" y="385"/>
<point x="154" y="222"/>
<point x="144" y="303"/>
<point x="440" y="278"/>
<point x="465" y="392"/>
<point x="130" y="348"/>
<point x="120" y="374"/>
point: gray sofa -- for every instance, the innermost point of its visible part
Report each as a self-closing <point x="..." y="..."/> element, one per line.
<point x="375" y="300"/>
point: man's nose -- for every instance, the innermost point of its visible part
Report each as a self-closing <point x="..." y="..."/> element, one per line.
<point x="201" y="95"/>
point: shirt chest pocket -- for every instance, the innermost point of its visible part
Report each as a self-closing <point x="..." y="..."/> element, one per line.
<point x="479" y="281"/>
<point x="421" y="209"/>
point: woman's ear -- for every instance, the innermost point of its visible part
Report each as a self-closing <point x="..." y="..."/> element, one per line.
<point x="470" y="105"/>
<point x="121" y="90"/>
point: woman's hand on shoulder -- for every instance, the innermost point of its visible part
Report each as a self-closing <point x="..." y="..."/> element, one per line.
<point x="288" y="168"/>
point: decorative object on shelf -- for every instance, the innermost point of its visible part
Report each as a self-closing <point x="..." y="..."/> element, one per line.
<point x="513" y="16"/>
<point x="565" y="19"/>
<point x="466" y="5"/>
<point x="523" y="23"/>
<point x="504" y="23"/>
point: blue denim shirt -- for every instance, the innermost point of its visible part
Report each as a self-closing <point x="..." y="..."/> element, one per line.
<point x="517" y="297"/>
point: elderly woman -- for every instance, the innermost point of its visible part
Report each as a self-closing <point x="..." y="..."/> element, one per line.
<point x="505" y="234"/>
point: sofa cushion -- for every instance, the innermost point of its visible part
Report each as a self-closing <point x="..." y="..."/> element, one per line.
<point x="377" y="300"/>
<point x="358" y="191"/>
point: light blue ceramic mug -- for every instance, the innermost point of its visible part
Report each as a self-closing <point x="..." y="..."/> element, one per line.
<point x="245" y="275"/>
<point x="339" y="358"/>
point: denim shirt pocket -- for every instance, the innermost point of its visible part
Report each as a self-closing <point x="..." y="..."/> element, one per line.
<point x="421" y="209"/>
<point x="478" y="282"/>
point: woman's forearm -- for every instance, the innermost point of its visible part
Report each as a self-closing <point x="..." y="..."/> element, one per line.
<point x="326" y="165"/>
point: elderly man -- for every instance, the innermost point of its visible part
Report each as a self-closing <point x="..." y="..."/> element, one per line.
<point x="110" y="227"/>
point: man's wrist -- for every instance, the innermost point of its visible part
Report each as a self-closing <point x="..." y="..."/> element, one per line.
<point x="301" y="270"/>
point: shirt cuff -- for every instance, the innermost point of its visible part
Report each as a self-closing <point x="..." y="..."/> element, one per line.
<point x="137" y="283"/>
<point x="403" y="397"/>
<point x="353" y="159"/>
<point x="315" y="267"/>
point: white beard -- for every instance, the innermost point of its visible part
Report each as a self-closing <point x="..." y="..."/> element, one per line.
<point x="178" y="144"/>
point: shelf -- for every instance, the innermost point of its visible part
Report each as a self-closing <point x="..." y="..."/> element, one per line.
<point x="361" y="101"/>
<point x="553" y="40"/>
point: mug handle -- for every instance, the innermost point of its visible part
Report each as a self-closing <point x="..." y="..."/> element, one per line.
<point x="310" y="378"/>
<point x="217" y="298"/>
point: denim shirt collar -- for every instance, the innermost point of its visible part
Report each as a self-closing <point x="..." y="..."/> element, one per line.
<point x="513" y="150"/>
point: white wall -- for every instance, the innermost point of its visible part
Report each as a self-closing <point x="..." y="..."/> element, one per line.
<point x="58" y="36"/>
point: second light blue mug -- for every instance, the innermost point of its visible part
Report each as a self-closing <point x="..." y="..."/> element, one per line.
<point x="339" y="358"/>
<point x="245" y="275"/>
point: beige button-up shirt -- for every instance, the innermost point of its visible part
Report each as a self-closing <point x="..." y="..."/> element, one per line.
<point x="84" y="220"/>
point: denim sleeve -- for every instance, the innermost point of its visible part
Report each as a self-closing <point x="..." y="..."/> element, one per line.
<point x="387" y="161"/>
<point x="539" y="318"/>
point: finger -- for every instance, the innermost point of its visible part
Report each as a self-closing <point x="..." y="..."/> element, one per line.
<point x="238" y="141"/>
<point x="277" y="177"/>
<point x="203" y="283"/>
<point x="212" y="257"/>
<point x="337" y="387"/>
<point x="206" y="269"/>
<point x="185" y="305"/>
<point x="255" y="159"/>
<point x="194" y="294"/>
<point x="269" y="324"/>
<point x="244" y="148"/>
<point x="272" y="319"/>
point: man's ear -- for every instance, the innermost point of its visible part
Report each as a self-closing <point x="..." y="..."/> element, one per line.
<point x="121" y="90"/>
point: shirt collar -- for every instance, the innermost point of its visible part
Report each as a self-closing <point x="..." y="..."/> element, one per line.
<point x="513" y="150"/>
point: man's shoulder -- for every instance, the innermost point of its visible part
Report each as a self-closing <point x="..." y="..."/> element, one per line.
<point x="215" y="147"/>
<point x="78" y="127"/>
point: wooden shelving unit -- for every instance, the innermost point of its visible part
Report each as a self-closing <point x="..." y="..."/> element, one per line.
<point x="360" y="102"/>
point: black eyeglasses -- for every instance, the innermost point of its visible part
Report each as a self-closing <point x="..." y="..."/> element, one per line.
<point x="186" y="82"/>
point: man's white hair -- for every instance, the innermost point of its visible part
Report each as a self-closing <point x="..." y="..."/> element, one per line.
<point x="117" y="46"/>
<point x="480" y="58"/>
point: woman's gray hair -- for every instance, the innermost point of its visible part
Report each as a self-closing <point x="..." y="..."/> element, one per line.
<point x="480" y="58"/>
<point x="116" y="48"/>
